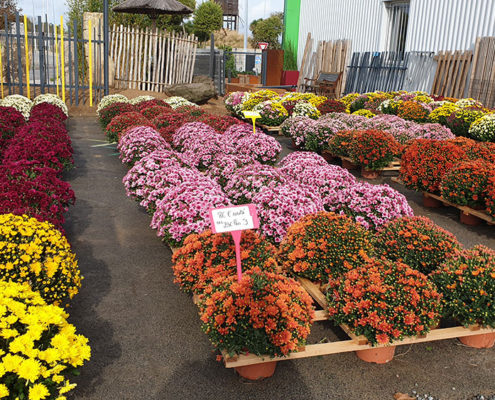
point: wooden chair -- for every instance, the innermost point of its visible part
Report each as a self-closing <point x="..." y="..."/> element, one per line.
<point x="324" y="85"/>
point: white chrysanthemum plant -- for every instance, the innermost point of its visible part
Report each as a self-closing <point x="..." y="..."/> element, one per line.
<point x="110" y="99"/>
<point x="177" y="101"/>
<point x="483" y="128"/>
<point x="140" y="99"/>
<point x="51" y="99"/>
<point x="20" y="103"/>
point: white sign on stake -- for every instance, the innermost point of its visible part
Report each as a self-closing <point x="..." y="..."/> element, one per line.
<point x="234" y="219"/>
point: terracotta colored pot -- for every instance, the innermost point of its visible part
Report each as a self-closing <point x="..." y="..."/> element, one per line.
<point x="327" y="155"/>
<point x="294" y="145"/>
<point x="430" y="202"/>
<point x="370" y="174"/>
<point x="348" y="165"/>
<point x="257" y="371"/>
<point x="235" y="80"/>
<point x="483" y="341"/>
<point x="469" y="219"/>
<point x="379" y="355"/>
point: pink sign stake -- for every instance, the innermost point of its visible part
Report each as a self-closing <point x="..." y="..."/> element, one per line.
<point x="234" y="219"/>
<point x="236" y="235"/>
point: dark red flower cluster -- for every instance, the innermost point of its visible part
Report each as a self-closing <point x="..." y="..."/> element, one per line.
<point x="151" y="103"/>
<point x="49" y="147"/>
<point x="152" y="112"/>
<point x="28" y="188"/>
<point x="122" y="122"/>
<point x="11" y="117"/>
<point x="44" y="110"/>
<point x="331" y="106"/>
<point x="219" y="122"/>
<point x="112" y="110"/>
<point x="35" y="155"/>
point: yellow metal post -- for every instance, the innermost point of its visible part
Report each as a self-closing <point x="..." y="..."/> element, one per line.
<point x="56" y="59"/>
<point x="1" y="70"/>
<point x="62" y="55"/>
<point x="90" y="65"/>
<point x="27" y="56"/>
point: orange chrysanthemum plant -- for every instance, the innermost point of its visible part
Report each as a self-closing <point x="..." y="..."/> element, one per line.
<point x="426" y="161"/>
<point x="263" y="314"/>
<point x="373" y="149"/>
<point x="413" y="111"/>
<point x="340" y="143"/>
<point x="467" y="282"/>
<point x="490" y="195"/>
<point x="417" y="242"/>
<point x="466" y="183"/>
<point x="324" y="244"/>
<point x="385" y="301"/>
<point x="207" y="256"/>
<point x="482" y="150"/>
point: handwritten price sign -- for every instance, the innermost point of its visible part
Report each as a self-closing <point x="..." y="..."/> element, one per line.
<point x="234" y="220"/>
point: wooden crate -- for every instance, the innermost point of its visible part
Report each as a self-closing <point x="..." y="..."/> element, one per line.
<point x="393" y="166"/>
<point x="271" y="129"/>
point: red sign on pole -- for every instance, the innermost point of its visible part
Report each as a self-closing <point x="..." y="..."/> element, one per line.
<point x="263" y="45"/>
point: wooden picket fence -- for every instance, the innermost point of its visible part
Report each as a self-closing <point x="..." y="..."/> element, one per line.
<point x="452" y="73"/>
<point x="482" y="78"/>
<point x="151" y="60"/>
<point x="327" y="56"/>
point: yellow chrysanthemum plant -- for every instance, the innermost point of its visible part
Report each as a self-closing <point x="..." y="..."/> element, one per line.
<point x="38" y="347"/>
<point x="37" y="254"/>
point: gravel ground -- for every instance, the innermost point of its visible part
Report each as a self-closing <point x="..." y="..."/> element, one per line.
<point x="146" y="338"/>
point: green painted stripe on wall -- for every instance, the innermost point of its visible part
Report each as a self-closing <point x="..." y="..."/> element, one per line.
<point x="292" y="11"/>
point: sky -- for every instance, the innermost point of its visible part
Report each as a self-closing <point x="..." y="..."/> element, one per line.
<point x="55" y="8"/>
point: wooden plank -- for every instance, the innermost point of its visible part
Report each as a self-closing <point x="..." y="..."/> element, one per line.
<point x="191" y="72"/>
<point x="314" y="291"/>
<point x="304" y="61"/>
<point x="145" y="58"/>
<point x="468" y="57"/>
<point x="167" y="62"/>
<point x="474" y="67"/>
<point x="489" y="84"/>
<point x="344" y="346"/>
<point x="454" y="78"/>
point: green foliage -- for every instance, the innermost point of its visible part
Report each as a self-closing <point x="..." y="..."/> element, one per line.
<point x="290" y="57"/>
<point x="208" y="18"/>
<point x="229" y="62"/>
<point x="9" y="7"/>
<point x="268" y="30"/>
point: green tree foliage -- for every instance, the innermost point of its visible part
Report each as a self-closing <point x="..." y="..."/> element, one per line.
<point x="208" y="18"/>
<point x="268" y="30"/>
<point x="9" y="7"/>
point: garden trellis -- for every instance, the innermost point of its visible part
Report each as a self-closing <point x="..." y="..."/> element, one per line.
<point x="40" y="44"/>
<point x="151" y="60"/>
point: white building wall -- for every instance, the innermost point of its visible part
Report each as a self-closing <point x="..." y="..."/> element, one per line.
<point x="433" y="24"/>
<point x="449" y="24"/>
<point x="358" y="20"/>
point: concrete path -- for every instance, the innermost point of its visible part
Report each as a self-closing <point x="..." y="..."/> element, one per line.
<point x="145" y="335"/>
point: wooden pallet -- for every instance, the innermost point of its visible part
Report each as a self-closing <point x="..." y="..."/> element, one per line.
<point x="464" y="209"/>
<point x="393" y="166"/>
<point x="271" y="129"/>
<point x="354" y="343"/>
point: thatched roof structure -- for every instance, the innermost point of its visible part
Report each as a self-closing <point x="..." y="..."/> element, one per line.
<point x="152" y="7"/>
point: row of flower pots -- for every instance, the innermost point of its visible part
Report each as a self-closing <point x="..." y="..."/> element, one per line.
<point x="39" y="273"/>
